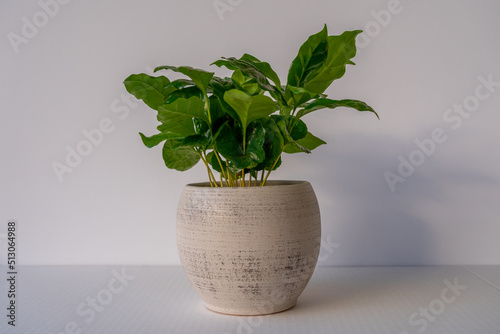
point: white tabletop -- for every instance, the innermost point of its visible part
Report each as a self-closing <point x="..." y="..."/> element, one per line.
<point x="389" y="300"/>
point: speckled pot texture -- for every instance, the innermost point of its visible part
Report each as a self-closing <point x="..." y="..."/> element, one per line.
<point x="249" y="250"/>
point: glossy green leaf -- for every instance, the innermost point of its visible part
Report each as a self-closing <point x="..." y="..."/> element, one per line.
<point x="299" y="130"/>
<point x="181" y="159"/>
<point x="340" y="51"/>
<point x="152" y="90"/>
<point x="200" y="77"/>
<point x="220" y="87"/>
<point x="282" y="123"/>
<point x="311" y="56"/>
<point x="182" y="83"/>
<point x="194" y="141"/>
<point x="273" y="143"/>
<point x="263" y="67"/>
<point x="217" y="113"/>
<point x="185" y="92"/>
<point x="177" y="117"/>
<point x="229" y="146"/>
<point x="328" y="103"/>
<point x="299" y="95"/>
<point x="252" y="71"/>
<point x="309" y="142"/>
<point x="256" y="137"/>
<point x="249" y="108"/>
<point x="193" y="107"/>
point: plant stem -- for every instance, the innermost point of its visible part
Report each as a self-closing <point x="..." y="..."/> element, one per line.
<point x="229" y="178"/>
<point x="220" y="164"/>
<point x="209" y="171"/>
<point x="269" y="172"/>
<point x="207" y="107"/>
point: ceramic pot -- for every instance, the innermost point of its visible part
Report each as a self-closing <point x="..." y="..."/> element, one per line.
<point x="249" y="250"/>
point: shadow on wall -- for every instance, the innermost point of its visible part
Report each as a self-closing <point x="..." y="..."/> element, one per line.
<point x="373" y="225"/>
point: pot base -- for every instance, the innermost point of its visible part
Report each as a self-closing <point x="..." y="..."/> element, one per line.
<point x="249" y="312"/>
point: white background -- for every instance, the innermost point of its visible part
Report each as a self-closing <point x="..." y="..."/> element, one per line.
<point x="117" y="206"/>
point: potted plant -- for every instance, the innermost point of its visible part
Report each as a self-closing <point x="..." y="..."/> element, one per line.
<point x="248" y="245"/>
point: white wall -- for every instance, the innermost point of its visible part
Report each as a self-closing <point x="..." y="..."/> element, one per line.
<point x="118" y="205"/>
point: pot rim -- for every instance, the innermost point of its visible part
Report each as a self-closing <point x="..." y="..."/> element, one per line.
<point x="270" y="183"/>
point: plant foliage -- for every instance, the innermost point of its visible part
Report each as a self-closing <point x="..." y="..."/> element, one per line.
<point x="242" y="125"/>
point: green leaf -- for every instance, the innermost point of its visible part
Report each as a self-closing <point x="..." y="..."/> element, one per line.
<point x="250" y="58"/>
<point x="253" y="71"/>
<point x="216" y="111"/>
<point x="177" y="117"/>
<point x="238" y="77"/>
<point x="256" y="137"/>
<point x="220" y="87"/>
<point x="194" y="141"/>
<point x="229" y="146"/>
<point x="328" y="103"/>
<point x="155" y="139"/>
<point x="311" y="55"/>
<point x="166" y="130"/>
<point x="152" y="90"/>
<point x="299" y="95"/>
<point x="340" y="50"/>
<point x="273" y="144"/>
<point x="249" y="108"/>
<point x="299" y="129"/>
<point x="200" y="77"/>
<point x="185" y="92"/>
<point x="309" y="142"/>
<point x="182" y="83"/>
<point x="181" y="159"/>
<point x="281" y="122"/>
<point x="193" y="107"/>
<point x="251" y="88"/>
<point x="263" y="67"/>
<point x="201" y="127"/>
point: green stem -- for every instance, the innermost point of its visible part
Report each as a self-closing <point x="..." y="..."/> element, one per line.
<point x="209" y="171"/>
<point x="207" y="107"/>
<point x="295" y="120"/>
<point x="229" y="178"/>
<point x="269" y="172"/>
<point x="220" y="164"/>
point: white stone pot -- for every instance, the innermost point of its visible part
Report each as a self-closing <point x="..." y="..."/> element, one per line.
<point x="249" y="250"/>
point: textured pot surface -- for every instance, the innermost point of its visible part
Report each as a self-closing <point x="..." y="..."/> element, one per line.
<point x="251" y="250"/>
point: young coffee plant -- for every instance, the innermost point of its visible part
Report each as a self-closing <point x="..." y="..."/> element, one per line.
<point x="240" y="126"/>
